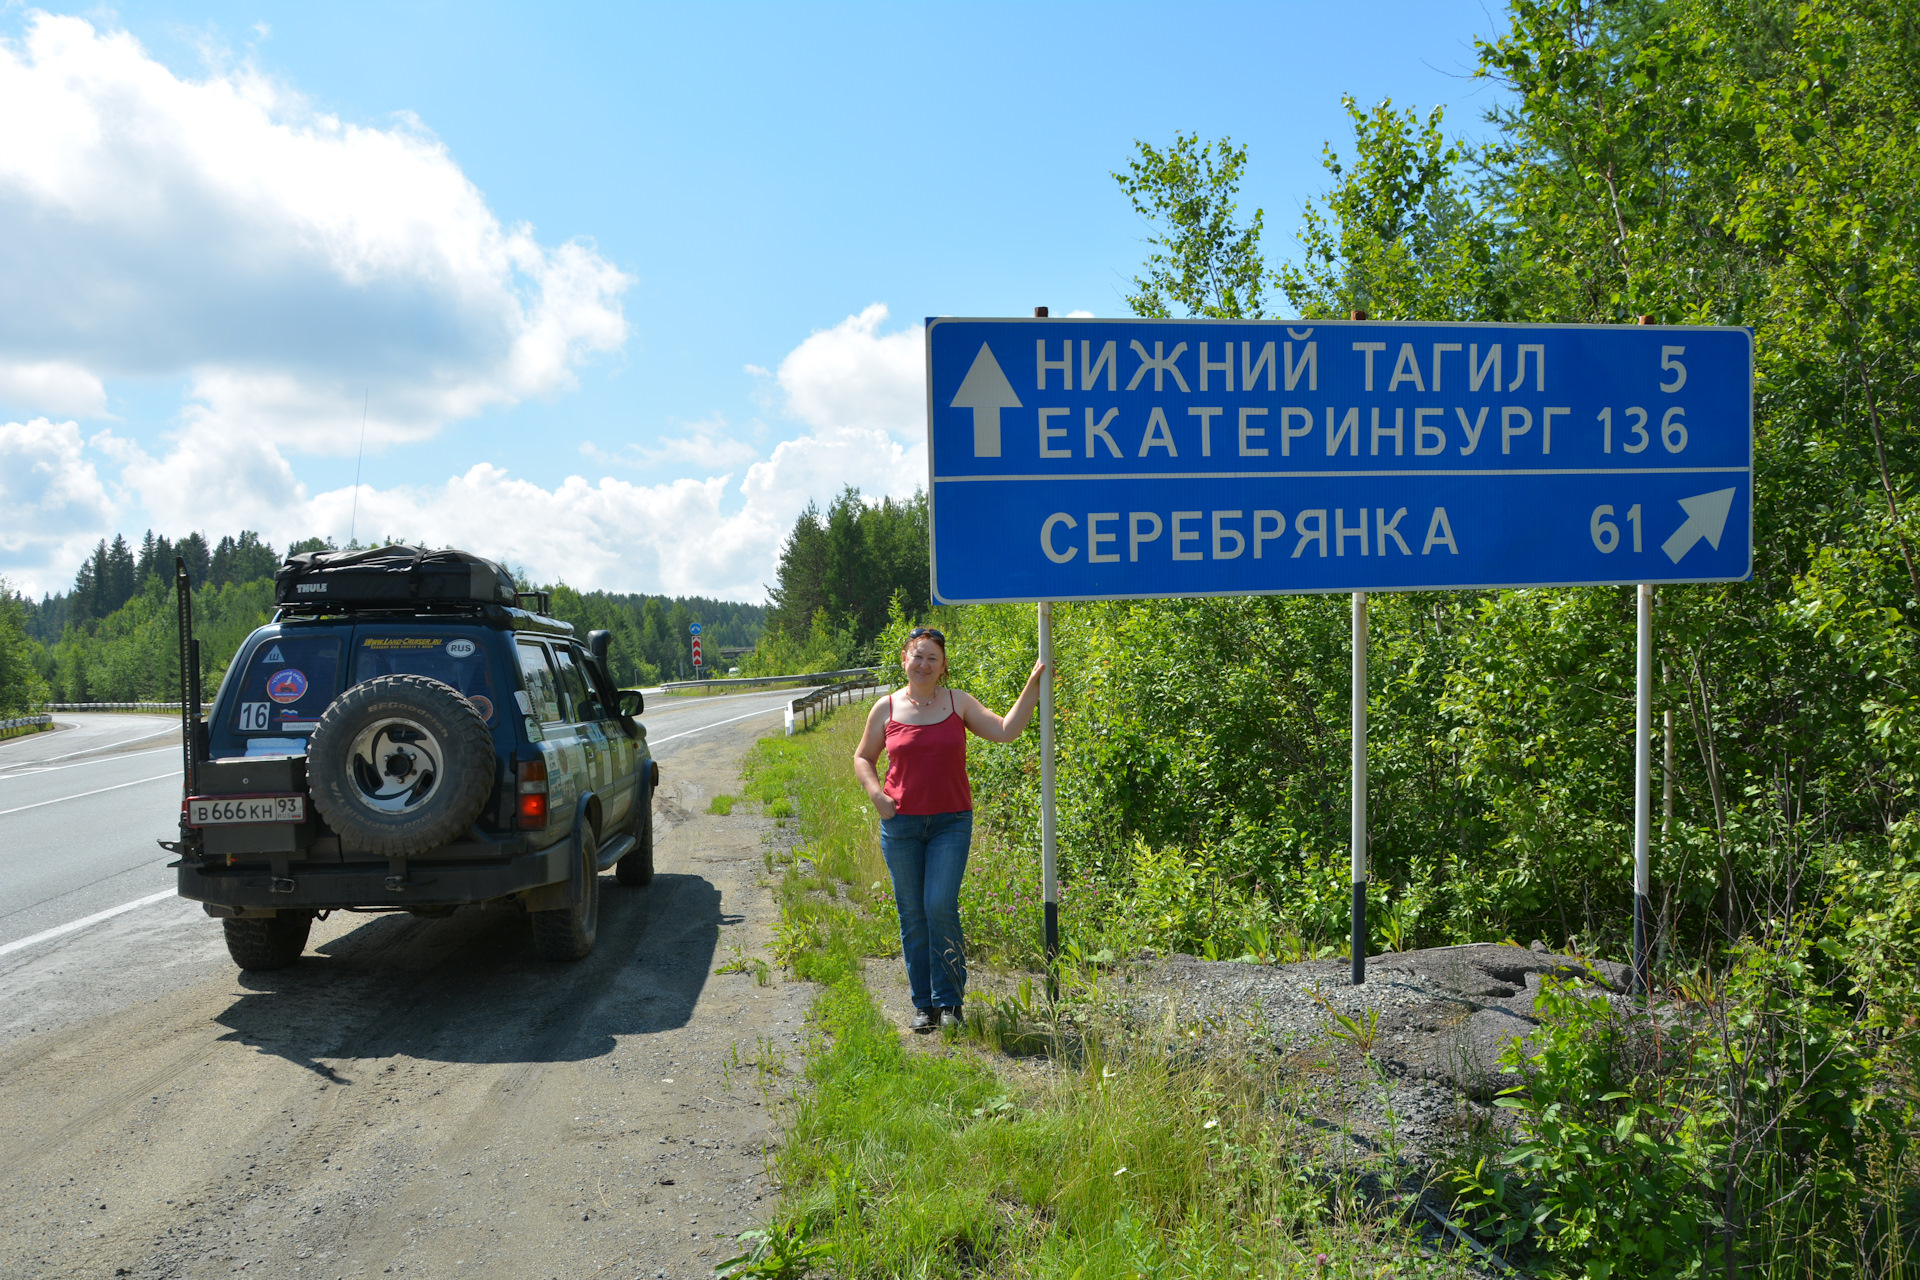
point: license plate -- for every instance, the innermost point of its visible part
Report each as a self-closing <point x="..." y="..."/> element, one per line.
<point x="222" y="812"/>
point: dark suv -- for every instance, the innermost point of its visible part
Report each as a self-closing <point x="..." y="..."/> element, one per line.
<point x="410" y="747"/>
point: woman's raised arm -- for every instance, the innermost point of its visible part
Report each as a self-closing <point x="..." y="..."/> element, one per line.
<point x="1005" y="728"/>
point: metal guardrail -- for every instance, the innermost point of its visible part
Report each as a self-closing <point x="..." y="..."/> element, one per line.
<point x="804" y="709"/>
<point x="743" y="682"/>
<point x="24" y="722"/>
<point x="121" y="706"/>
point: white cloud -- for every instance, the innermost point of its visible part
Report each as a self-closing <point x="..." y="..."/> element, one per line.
<point x="292" y="266"/>
<point x="708" y="444"/>
<point x="716" y="532"/>
<point x="683" y="537"/>
<point x="54" y="387"/>
<point x="855" y="376"/>
<point x="53" y="507"/>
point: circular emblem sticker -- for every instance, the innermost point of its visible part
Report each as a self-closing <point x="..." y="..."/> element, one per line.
<point x="460" y="648"/>
<point x="289" y="685"/>
<point x="482" y="704"/>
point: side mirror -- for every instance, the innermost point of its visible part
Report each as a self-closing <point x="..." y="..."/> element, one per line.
<point x="632" y="702"/>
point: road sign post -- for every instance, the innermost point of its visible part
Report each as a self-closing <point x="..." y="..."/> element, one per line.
<point x="1642" y="782"/>
<point x="1049" y="882"/>
<point x="1122" y="459"/>
<point x="1359" y="938"/>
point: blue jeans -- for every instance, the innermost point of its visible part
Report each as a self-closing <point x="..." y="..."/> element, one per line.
<point x="926" y="855"/>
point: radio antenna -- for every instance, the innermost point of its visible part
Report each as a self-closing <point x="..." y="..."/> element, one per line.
<point x="353" y="522"/>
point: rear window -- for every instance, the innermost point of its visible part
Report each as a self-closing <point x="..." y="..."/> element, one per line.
<point x="458" y="660"/>
<point x="288" y="681"/>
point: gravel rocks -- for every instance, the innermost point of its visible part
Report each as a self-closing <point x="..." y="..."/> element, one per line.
<point x="1397" y="1064"/>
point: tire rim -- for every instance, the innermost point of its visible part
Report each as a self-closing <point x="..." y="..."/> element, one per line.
<point x="396" y="765"/>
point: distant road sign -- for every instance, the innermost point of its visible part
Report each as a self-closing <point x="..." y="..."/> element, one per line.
<point x="1095" y="459"/>
<point x="693" y="628"/>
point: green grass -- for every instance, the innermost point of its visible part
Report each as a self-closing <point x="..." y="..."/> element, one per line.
<point x="721" y="804"/>
<point x="938" y="1160"/>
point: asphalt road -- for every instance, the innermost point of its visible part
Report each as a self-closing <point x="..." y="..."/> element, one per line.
<point x="414" y="1099"/>
<point x="81" y="807"/>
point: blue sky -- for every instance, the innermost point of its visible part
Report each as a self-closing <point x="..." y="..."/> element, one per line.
<point x="602" y="277"/>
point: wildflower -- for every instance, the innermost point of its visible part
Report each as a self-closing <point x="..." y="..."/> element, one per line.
<point x="1211" y="1124"/>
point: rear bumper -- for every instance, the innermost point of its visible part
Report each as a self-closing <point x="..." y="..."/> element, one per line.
<point x="433" y="882"/>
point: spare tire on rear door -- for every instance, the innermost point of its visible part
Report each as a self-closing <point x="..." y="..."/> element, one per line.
<point x="399" y="765"/>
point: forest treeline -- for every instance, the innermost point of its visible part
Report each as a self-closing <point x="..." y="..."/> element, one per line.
<point x="838" y="576"/>
<point x="1726" y="162"/>
<point x="113" y="637"/>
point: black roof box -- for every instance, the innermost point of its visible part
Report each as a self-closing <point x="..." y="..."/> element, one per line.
<point x="388" y="578"/>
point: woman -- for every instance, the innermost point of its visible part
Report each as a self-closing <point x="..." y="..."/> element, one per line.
<point x="926" y="812"/>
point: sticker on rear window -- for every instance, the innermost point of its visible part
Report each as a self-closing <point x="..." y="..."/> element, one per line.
<point x="272" y="655"/>
<point x="254" y="717"/>
<point x="482" y="704"/>
<point x="460" y="648"/>
<point x="289" y="685"/>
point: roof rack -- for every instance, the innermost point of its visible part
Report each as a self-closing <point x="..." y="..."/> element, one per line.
<point x="542" y="601"/>
<point x="384" y="608"/>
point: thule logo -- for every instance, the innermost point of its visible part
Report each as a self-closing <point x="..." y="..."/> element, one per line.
<point x="308" y="588"/>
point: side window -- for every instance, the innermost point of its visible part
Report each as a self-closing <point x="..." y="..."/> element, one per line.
<point x="573" y="685"/>
<point x="542" y="689"/>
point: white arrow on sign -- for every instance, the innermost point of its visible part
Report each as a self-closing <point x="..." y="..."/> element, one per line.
<point x="986" y="391"/>
<point x="1706" y="518"/>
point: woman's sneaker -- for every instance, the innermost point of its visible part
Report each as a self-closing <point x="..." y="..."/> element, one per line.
<point x="925" y="1020"/>
<point x="952" y="1019"/>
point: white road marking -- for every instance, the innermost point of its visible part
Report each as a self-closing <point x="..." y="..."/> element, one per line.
<point x="129" y="755"/>
<point x="147" y="737"/>
<point x="72" y="926"/>
<point x="84" y="794"/>
<point x="764" y="711"/>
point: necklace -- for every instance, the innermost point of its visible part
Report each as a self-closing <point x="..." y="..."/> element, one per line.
<point x="918" y="702"/>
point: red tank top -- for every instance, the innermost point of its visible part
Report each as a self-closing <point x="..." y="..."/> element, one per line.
<point x="927" y="764"/>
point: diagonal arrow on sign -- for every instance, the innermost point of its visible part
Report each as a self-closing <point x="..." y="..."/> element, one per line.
<point x="986" y="391"/>
<point x="1706" y="518"/>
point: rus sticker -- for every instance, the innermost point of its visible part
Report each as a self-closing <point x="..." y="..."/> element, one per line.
<point x="460" y="648"/>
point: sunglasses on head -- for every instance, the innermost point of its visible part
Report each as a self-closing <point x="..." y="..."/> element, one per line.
<point x="935" y="632"/>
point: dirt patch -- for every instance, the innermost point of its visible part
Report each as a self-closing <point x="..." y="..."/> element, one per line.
<point x="418" y="1098"/>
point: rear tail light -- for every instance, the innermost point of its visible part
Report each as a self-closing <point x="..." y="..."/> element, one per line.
<point x="531" y="805"/>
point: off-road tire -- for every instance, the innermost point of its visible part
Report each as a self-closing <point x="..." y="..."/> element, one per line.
<point x="271" y="943"/>
<point x="636" y="868"/>
<point x="430" y="732"/>
<point x="567" y="933"/>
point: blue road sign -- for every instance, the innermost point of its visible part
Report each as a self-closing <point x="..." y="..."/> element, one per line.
<point x="693" y="628"/>
<point x="1098" y="459"/>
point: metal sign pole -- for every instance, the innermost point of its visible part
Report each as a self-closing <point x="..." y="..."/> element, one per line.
<point x="1049" y="888"/>
<point x="1359" y="787"/>
<point x="1642" y="785"/>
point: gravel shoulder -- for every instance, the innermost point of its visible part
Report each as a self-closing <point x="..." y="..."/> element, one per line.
<point x="415" y="1097"/>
